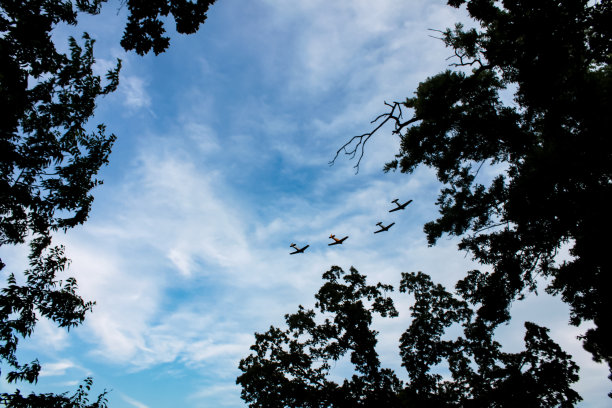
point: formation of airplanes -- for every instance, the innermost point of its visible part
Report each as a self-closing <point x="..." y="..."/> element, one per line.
<point x="339" y="241"/>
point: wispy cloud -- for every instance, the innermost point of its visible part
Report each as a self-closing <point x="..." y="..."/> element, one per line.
<point x="56" y="369"/>
<point x="133" y="402"/>
<point x="224" y="395"/>
<point x="134" y="91"/>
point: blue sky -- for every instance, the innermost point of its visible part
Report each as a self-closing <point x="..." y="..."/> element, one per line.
<point x="221" y="162"/>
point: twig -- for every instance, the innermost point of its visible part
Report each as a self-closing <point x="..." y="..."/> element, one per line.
<point x="488" y="227"/>
<point x="478" y="170"/>
<point x="363" y="138"/>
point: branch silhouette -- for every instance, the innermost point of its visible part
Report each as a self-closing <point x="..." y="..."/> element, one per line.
<point x="359" y="141"/>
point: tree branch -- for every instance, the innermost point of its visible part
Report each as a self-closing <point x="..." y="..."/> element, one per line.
<point x="358" y="142"/>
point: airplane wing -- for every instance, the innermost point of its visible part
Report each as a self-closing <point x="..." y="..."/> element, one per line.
<point x="337" y="241"/>
<point x="383" y="229"/>
<point x="299" y="250"/>
<point x="401" y="206"/>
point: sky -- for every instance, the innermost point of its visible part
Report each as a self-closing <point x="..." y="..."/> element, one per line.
<point x="221" y="162"/>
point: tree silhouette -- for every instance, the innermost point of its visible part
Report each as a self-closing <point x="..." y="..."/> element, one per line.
<point x="291" y="368"/>
<point x="144" y="29"/>
<point x="49" y="155"/>
<point x="549" y="150"/>
<point x="80" y="399"/>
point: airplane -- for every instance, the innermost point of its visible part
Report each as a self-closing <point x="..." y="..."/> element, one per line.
<point x="399" y="206"/>
<point x="336" y="240"/>
<point x="383" y="228"/>
<point x="297" y="250"/>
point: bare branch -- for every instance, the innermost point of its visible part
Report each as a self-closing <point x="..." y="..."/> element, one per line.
<point x="437" y="31"/>
<point x="357" y="143"/>
<point x="478" y="171"/>
<point x="488" y="227"/>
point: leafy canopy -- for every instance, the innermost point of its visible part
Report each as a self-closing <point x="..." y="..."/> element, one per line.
<point x="292" y="367"/>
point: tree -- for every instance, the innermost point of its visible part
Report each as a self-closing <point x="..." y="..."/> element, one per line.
<point x="549" y="148"/>
<point x="80" y="399"/>
<point x="291" y="368"/>
<point x="50" y="154"/>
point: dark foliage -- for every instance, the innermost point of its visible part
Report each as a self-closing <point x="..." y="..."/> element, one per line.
<point x="291" y="368"/>
<point x="42" y="295"/>
<point x="550" y="150"/>
<point x="80" y="399"/>
<point x="145" y="30"/>
<point x="50" y="155"/>
<point x="48" y="163"/>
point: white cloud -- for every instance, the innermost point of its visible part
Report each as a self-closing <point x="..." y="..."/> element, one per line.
<point x="56" y="369"/>
<point x="133" y="402"/>
<point x="102" y="66"/>
<point x="126" y="291"/>
<point x="351" y="44"/>
<point x="204" y="136"/>
<point x="134" y="90"/>
<point x="176" y="210"/>
<point x="224" y="395"/>
<point x="55" y="338"/>
<point x="69" y="383"/>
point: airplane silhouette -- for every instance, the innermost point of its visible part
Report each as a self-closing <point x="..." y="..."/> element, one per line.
<point x="383" y="228"/>
<point x="337" y="241"/>
<point x="399" y="206"/>
<point x="297" y="250"/>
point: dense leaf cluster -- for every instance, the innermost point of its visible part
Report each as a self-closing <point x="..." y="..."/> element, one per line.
<point x="289" y="368"/>
<point x="145" y="30"/>
<point x="42" y="295"/>
<point x="80" y="399"/>
<point x="292" y="367"/>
